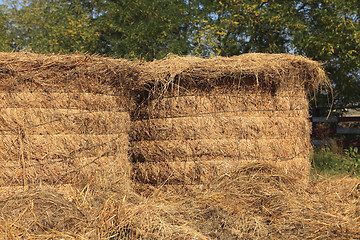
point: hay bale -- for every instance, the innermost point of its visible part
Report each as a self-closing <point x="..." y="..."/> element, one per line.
<point x="193" y="149"/>
<point x="202" y="118"/>
<point x="63" y="119"/>
<point x="60" y="158"/>
<point x="62" y="145"/>
<point x="62" y="100"/>
<point x="241" y="102"/>
<point x="65" y="73"/>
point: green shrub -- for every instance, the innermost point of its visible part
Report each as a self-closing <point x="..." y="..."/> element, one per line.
<point x="335" y="161"/>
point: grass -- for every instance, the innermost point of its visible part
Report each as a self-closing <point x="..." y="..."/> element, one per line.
<point x="336" y="161"/>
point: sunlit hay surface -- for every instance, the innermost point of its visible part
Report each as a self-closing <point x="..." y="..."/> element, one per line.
<point x="65" y="73"/>
<point x="254" y="202"/>
<point x="191" y="74"/>
<point x="63" y="119"/>
<point x="62" y="139"/>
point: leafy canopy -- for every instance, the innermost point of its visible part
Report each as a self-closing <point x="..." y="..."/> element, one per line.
<point x="52" y="26"/>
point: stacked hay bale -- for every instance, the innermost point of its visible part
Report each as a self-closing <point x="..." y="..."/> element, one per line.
<point x="202" y="118"/>
<point x="63" y="119"/>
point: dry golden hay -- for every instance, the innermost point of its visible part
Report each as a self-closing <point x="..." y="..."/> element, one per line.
<point x="195" y="172"/>
<point x="61" y="158"/>
<point x="67" y="73"/>
<point x="213" y="149"/>
<point x="195" y="111"/>
<point x="62" y="100"/>
<point x="62" y="145"/>
<point x="44" y="121"/>
<point x="63" y="118"/>
<point x="211" y="126"/>
<point x="203" y="167"/>
<point x="241" y="201"/>
<point x="182" y="75"/>
<point x="240" y="103"/>
<point x="227" y="131"/>
<point x="38" y="213"/>
<point x="254" y="202"/>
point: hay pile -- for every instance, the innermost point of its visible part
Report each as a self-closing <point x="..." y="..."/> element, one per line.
<point x="63" y="119"/>
<point x="255" y="202"/>
<point x="33" y="212"/>
<point x="201" y="118"/>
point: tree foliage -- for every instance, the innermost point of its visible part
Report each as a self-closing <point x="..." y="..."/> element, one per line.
<point x="52" y="26"/>
<point x="246" y="26"/>
<point x="146" y="28"/>
<point x="331" y="35"/>
<point x="4" y="34"/>
<point x="324" y="30"/>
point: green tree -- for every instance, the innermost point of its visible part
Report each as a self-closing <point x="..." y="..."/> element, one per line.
<point x="52" y="26"/>
<point x="146" y="28"/>
<point x="235" y="27"/>
<point x="331" y="34"/>
<point x="129" y="28"/>
<point x="324" y="30"/>
<point x="4" y="33"/>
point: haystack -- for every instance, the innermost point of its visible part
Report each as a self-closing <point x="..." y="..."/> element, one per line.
<point x="199" y="119"/>
<point x="63" y="119"/>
